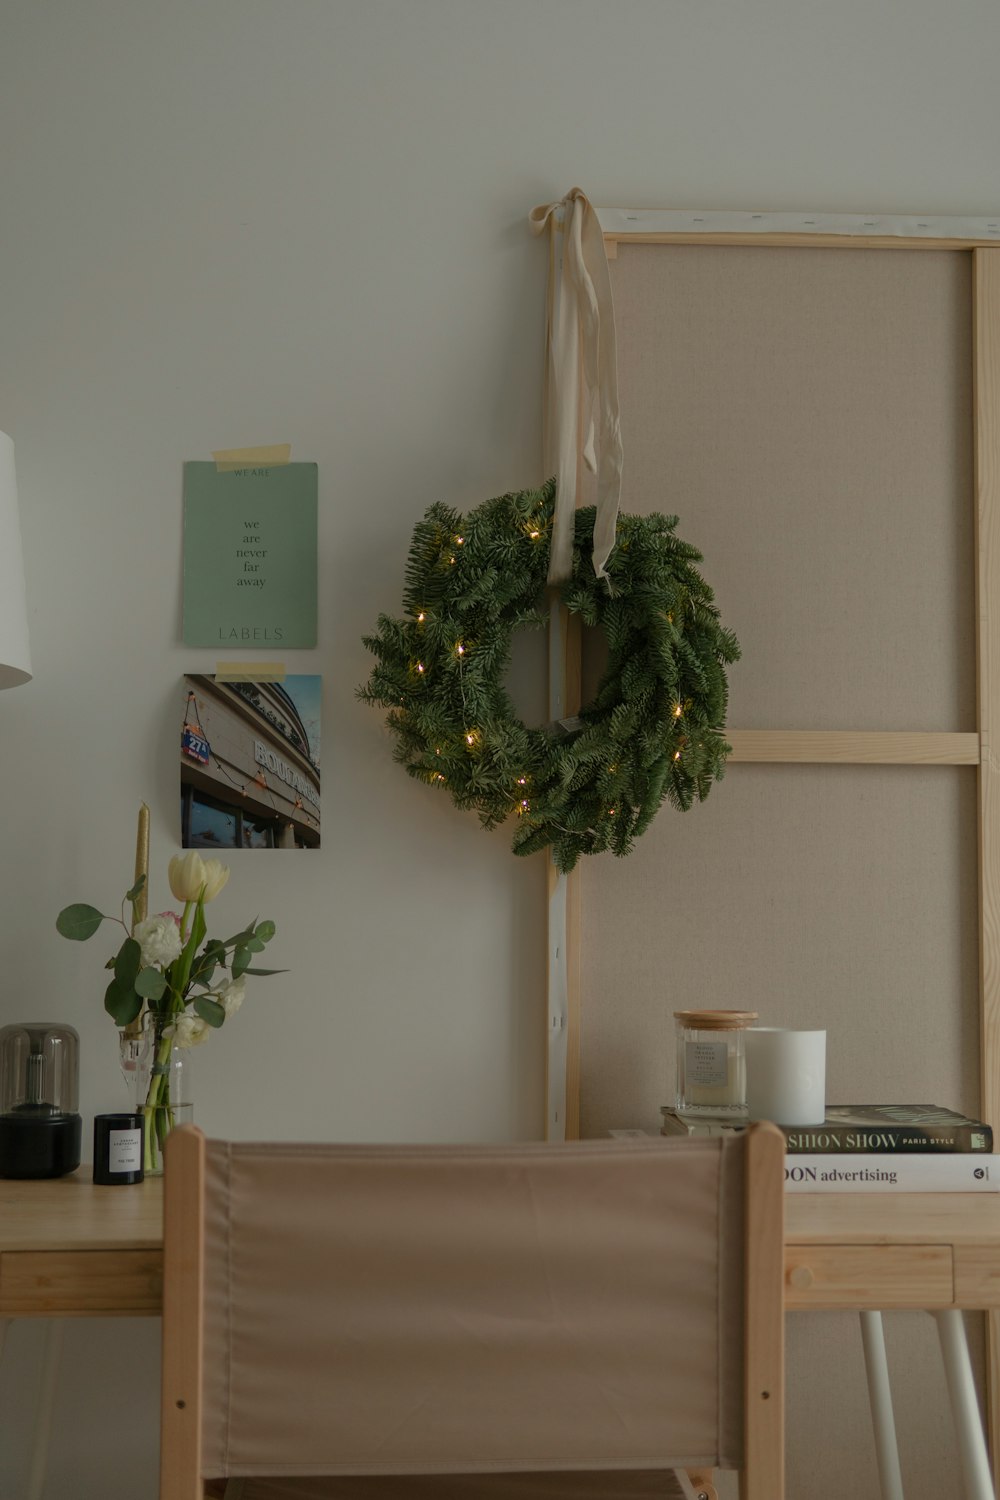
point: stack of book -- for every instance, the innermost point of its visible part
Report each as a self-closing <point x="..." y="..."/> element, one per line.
<point x="880" y="1148"/>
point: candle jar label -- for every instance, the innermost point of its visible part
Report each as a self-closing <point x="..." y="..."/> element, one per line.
<point x="124" y="1150"/>
<point x="706" y="1064"/>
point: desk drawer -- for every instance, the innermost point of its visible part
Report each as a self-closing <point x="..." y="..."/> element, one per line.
<point x="872" y="1276"/>
<point x="86" y="1282"/>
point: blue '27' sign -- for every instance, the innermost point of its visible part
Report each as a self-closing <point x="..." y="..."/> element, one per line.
<point x="195" y="745"/>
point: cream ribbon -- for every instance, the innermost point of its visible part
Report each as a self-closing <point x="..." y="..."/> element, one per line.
<point x="581" y="417"/>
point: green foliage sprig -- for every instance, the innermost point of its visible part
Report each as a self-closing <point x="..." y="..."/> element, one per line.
<point x="161" y="965"/>
<point x="653" y="731"/>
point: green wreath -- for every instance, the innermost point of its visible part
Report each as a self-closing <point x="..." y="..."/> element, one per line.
<point x="652" y="732"/>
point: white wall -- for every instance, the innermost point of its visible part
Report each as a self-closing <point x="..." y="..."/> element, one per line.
<point x="248" y="221"/>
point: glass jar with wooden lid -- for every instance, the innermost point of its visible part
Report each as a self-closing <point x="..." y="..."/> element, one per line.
<point x="711" y="1063"/>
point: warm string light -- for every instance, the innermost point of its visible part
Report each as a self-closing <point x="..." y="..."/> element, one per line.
<point x="678" y="710"/>
<point x="421" y="618"/>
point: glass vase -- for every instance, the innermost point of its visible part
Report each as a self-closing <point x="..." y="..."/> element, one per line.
<point x="158" y="1076"/>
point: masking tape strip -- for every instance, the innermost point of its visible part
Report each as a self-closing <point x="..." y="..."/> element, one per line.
<point x="228" y="459"/>
<point x="249" y="671"/>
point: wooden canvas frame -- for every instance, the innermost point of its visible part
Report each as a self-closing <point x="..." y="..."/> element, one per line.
<point x="847" y="746"/>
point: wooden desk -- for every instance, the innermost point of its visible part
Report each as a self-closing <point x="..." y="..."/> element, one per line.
<point x="889" y="1251"/>
<point x="68" y="1248"/>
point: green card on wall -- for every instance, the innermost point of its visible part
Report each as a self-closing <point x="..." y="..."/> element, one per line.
<point x="250" y="556"/>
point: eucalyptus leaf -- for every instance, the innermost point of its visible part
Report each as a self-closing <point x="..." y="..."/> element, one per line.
<point x="265" y="931"/>
<point x="139" y="885"/>
<point x="121" y="1004"/>
<point x="150" y="983"/>
<point x="241" y="962"/>
<point x="254" y="945"/>
<point x="265" y="971"/>
<point x="127" y="962"/>
<point x="209" y="1010"/>
<point x="79" y="921"/>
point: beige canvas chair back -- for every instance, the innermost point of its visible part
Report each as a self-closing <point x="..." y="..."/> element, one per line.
<point x="334" y="1310"/>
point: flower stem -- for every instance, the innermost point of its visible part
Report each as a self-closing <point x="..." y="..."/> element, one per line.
<point x="157" y="1109"/>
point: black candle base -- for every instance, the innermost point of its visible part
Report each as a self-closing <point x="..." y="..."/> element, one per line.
<point x="35" y="1144"/>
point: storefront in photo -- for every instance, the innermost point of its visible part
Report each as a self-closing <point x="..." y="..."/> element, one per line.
<point x="250" y="774"/>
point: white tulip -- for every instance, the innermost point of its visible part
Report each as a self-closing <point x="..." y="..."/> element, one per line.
<point x="193" y="878"/>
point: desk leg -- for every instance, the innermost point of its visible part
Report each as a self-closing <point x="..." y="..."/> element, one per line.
<point x="46" y="1405"/>
<point x="964" y="1407"/>
<point x="880" y="1400"/>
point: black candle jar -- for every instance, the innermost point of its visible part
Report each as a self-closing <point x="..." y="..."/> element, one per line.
<point x="39" y="1081"/>
<point x="118" y="1142"/>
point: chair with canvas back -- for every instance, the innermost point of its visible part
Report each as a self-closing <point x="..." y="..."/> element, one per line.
<point x="594" y="1321"/>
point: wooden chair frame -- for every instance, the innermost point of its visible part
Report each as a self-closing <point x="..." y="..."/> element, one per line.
<point x="762" y="1477"/>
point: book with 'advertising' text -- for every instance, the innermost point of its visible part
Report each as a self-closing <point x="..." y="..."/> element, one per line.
<point x="913" y="1172"/>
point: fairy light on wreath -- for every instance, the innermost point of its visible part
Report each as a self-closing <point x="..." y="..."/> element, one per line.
<point x="654" y="729"/>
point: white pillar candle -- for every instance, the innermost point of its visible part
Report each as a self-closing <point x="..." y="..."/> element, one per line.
<point x="786" y="1075"/>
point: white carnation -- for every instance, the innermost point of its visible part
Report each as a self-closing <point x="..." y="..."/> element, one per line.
<point x="160" y="941"/>
<point x="188" y="1030"/>
<point x="231" y="995"/>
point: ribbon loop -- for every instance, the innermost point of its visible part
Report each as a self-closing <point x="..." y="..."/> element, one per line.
<point x="581" y="418"/>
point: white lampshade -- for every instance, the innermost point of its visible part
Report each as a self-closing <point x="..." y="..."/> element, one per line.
<point x="15" y="659"/>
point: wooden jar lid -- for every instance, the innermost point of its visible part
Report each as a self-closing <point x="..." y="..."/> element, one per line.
<point x="716" y="1020"/>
